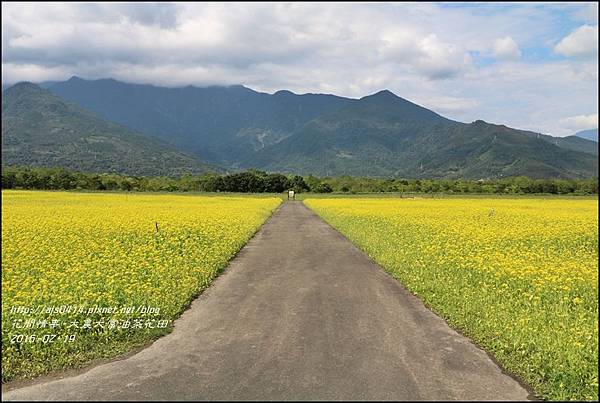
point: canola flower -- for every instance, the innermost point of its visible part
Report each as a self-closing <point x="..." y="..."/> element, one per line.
<point x="519" y="276"/>
<point x="105" y="250"/>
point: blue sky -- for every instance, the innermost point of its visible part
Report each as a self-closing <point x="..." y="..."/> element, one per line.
<point x="527" y="65"/>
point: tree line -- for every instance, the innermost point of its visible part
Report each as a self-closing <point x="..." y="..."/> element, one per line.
<point x="254" y="181"/>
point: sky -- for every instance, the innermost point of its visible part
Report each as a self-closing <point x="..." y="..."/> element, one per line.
<point x="530" y="66"/>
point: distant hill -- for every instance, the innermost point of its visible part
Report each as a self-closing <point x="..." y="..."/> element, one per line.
<point x="591" y="134"/>
<point x="41" y="129"/>
<point x="378" y="135"/>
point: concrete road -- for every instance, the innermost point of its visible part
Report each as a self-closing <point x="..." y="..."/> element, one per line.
<point x="299" y="314"/>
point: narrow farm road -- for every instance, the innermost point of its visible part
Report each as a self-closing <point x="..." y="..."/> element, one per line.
<point x="300" y="314"/>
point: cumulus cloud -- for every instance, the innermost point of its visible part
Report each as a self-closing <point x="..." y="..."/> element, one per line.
<point x="429" y="56"/>
<point x="439" y="60"/>
<point x="506" y="49"/>
<point x="233" y="36"/>
<point x="581" y="43"/>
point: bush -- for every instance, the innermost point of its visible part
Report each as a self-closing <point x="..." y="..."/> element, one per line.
<point x="323" y="188"/>
<point x="255" y="181"/>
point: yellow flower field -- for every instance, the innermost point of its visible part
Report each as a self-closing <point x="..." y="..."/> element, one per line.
<point x="92" y="275"/>
<point x="518" y="276"/>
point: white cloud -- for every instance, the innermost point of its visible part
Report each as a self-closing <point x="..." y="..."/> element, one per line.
<point x="427" y="55"/>
<point x="506" y="49"/>
<point x="581" y="43"/>
<point x="452" y="105"/>
<point x="440" y="60"/>
<point x="229" y="35"/>
<point x="33" y="73"/>
<point x="580" y="122"/>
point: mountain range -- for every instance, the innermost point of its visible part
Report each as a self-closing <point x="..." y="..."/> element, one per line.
<point x="378" y="135"/>
<point x="41" y="129"/>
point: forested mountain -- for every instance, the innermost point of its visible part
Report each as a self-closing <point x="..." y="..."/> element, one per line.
<point x="378" y="135"/>
<point x="222" y="124"/>
<point x="385" y="135"/>
<point x="41" y="129"/>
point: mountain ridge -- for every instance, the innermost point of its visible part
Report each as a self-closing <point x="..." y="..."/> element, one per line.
<point x="377" y="135"/>
<point x="219" y="124"/>
<point x="40" y="129"/>
<point x="442" y="148"/>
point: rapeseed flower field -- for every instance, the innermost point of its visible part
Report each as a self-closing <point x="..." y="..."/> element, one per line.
<point x="86" y="276"/>
<point x="519" y="276"/>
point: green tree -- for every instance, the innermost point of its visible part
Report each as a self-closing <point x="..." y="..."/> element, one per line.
<point x="323" y="188"/>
